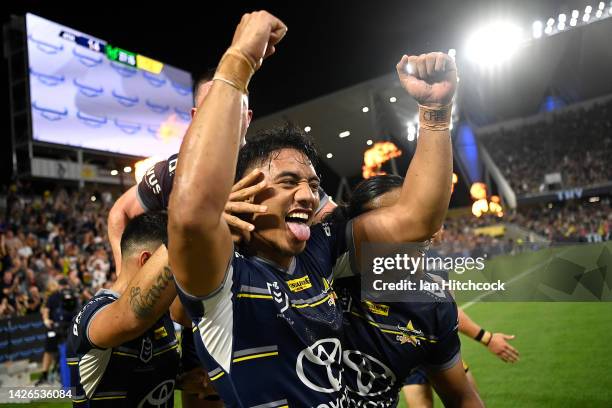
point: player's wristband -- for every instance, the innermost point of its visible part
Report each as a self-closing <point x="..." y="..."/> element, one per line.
<point x="487" y="339"/>
<point x="481" y="333"/>
<point x="235" y="69"/>
<point x="435" y="118"/>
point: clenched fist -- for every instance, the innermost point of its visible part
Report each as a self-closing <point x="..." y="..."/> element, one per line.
<point x="431" y="79"/>
<point x="257" y="35"/>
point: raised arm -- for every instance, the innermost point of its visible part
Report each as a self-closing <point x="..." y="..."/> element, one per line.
<point x="200" y="240"/>
<point x="431" y="80"/>
<point x="147" y="297"/>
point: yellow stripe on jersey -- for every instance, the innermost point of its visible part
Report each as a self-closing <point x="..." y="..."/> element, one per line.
<point x="317" y="303"/>
<point x="254" y="296"/>
<point x="252" y="356"/>
<point x="168" y="349"/>
<point x="119" y="353"/>
<point x="217" y="376"/>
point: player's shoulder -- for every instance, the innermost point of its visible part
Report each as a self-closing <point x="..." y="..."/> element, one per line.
<point x="102" y="298"/>
<point x="78" y="339"/>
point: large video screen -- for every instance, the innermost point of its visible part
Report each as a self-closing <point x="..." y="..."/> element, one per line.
<point x="88" y="93"/>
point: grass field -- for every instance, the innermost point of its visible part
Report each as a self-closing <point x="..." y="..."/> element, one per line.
<point x="564" y="355"/>
<point x="563" y="345"/>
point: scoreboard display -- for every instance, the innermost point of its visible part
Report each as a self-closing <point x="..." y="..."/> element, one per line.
<point x="87" y="93"/>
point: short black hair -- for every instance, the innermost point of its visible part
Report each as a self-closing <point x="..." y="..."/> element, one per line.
<point x="146" y="231"/>
<point x="200" y="79"/>
<point x="264" y="144"/>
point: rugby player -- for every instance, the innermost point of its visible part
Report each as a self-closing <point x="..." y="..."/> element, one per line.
<point x="122" y="346"/>
<point x="386" y="341"/>
<point x="417" y="389"/>
<point x="268" y="323"/>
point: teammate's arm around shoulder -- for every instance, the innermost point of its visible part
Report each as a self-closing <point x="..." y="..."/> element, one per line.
<point x="431" y="80"/>
<point x="147" y="297"/>
<point x="199" y="238"/>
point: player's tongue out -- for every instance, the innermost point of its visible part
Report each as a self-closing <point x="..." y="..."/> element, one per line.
<point x="297" y="225"/>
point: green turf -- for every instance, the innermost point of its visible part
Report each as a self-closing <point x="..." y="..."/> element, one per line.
<point x="564" y="355"/>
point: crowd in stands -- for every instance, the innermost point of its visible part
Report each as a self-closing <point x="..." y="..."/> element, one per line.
<point x="52" y="242"/>
<point x="58" y="240"/>
<point x="568" y="222"/>
<point x="576" y="143"/>
<point x="575" y="221"/>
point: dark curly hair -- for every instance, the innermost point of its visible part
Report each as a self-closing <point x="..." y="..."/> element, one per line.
<point x="262" y="147"/>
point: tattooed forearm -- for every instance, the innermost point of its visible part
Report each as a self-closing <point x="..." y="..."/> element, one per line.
<point x="143" y="301"/>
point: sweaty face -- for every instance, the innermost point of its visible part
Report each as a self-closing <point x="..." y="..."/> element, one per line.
<point x="291" y="197"/>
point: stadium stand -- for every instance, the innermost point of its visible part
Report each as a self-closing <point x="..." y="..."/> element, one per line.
<point x="575" y="142"/>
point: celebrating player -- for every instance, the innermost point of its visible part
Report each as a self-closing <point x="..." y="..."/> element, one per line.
<point x="122" y="343"/>
<point x="268" y="323"/>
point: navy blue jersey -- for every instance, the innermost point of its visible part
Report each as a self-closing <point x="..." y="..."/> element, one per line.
<point x="272" y="337"/>
<point x="155" y="187"/>
<point x="385" y="342"/>
<point x="138" y="373"/>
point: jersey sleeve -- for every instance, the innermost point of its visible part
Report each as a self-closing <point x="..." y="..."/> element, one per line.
<point x="78" y="338"/>
<point x="155" y="187"/>
<point x="444" y="353"/>
<point x="213" y="315"/>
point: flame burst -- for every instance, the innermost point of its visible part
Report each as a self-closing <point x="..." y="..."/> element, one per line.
<point x="376" y="156"/>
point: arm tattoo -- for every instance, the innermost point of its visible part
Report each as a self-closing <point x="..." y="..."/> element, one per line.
<point x="142" y="302"/>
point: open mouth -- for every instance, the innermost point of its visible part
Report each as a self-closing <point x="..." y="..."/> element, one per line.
<point x="297" y="222"/>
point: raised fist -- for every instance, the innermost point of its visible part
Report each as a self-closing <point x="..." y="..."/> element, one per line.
<point x="431" y="79"/>
<point x="257" y="34"/>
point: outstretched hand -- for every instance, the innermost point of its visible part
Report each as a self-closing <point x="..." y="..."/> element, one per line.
<point x="502" y="349"/>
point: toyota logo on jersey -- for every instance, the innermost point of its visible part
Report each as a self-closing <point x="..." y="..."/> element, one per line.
<point x="322" y="358"/>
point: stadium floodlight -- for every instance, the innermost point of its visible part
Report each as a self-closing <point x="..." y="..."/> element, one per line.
<point x="114" y="172"/>
<point x="494" y="43"/>
<point x="601" y="6"/>
<point x="452" y="53"/>
<point x="365" y="109"/>
<point x="537" y="29"/>
<point x="586" y="18"/>
<point x="127" y="169"/>
<point x="562" y="18"/>
<point x="561" y="26"/>
<point x="599" y="14"/>
<point x="369" y="142"/>
<point x="573" y="22"/>
<point x="330" y="155"/>
<point x="548" y="30"/>
<point x="307" y="129"/>
<point x="588" y="9"/>
<point x="393" y="99"/>
<point x="344" y="134"/>
<point x="550" y="22"/>
<point x="575" y="14"/>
